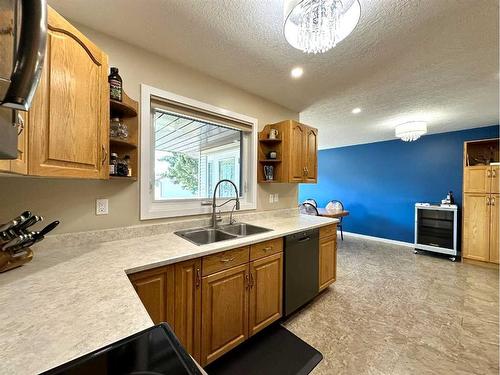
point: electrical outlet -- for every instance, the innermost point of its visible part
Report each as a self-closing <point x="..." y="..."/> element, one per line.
<point x="271" y="198"/>
<point x="276" y="198"/>
<point x="101" y="206"/>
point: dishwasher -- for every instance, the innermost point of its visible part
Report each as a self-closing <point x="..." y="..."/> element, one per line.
<point x="301" y="276"/>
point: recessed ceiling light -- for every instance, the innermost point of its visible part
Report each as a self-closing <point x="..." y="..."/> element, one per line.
<point x="297" y="72"/>
<point x="356" y="110"/>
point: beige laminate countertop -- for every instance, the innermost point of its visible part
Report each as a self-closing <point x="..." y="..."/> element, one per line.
<point x="70" y="301"/>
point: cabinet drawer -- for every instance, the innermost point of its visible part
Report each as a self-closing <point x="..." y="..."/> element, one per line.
<point x="224" y="260"/>
<point x="330" y="230"/>
<point x="262" y="249"/>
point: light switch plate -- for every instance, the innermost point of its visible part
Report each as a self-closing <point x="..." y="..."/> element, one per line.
<point x="271" y="198"/>
<point x="101" y="206"/>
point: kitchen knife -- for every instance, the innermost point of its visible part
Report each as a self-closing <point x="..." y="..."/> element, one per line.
<point x="47" y="229"/>
<point x="24" y="244"/>
<point x="27" y="223"/>
<point x="16" y="221"/>
<point x="16" y="241"/>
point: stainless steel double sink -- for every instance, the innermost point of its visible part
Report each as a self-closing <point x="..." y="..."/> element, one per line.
<point x="203" y="236"/>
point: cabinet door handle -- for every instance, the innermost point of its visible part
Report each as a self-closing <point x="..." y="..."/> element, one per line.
<point x="492" y="201"/>
<point x="251" y="280"/>
<point x="493" y="173"/>
<point x="105" y="155"/>
<point x="488" y="201"/>
<point x="266" y="249"/>
<point x="488" y="173"/>
<point x="226" y="260"/>
<point x="198" y="278"/>
<point x="247" y="280"/>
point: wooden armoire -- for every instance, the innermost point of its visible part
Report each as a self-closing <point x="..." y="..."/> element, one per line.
<point x="481" y="201"/>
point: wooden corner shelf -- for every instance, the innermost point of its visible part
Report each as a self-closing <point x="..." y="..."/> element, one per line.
<point x="122" y="109"/>
<point x="122" y="142"/>
<point x="270" y="140"/>
<point x="126" y="111"/>
<point x="123" y="178"/>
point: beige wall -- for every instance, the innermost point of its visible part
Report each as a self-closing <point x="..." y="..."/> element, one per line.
<point x="73" y="201"/>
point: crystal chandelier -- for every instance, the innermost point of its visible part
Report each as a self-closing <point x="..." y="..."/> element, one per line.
<point x="411" y="131"/>
<point x="316" y="26"/>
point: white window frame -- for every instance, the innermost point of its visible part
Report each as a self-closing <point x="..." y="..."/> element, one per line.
<point x="152" y="209"/>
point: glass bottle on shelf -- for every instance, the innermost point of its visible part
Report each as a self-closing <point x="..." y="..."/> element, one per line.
<point x="115" y="85"/>
<point x="113" y="163"/>
<point x="114" y="127"/>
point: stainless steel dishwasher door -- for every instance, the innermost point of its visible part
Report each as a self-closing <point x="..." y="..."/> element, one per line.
<point x="301" y="269"/>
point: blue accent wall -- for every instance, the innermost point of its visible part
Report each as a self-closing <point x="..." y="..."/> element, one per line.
<point x="379" y="183"/>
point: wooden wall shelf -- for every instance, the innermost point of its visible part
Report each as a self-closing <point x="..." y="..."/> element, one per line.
<point x="122" y="109"/>
<point x="127" y="111"/>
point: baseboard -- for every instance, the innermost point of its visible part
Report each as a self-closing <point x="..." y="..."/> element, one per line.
<point x="379" y="239"/>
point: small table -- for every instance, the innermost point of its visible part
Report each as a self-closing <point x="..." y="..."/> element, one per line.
<point x="332" y="213"/>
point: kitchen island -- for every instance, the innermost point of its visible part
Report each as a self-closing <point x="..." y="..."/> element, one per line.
<point x="72" y="300"/>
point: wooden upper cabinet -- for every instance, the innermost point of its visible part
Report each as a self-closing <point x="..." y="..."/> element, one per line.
<point x="69" y="132"/>
<point x="296" y="156"/>
<point x="477" y="179"/>
<point x="187" y="306"/>
<point x="476" y="226"/>
<point x="297" y="151"/>
<point x="311" y="155"/>
<point x="266" y="292"/>
<point x="155" y="288"/>
<point x="224" y="312"/>
<point x="494" y="228"/>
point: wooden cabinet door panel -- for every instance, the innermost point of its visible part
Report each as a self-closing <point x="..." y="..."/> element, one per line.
<point x="296" y="154"/>
<point x="187" y="306"/>
<point x="311" y="152"/>
<point x="155" y="288"/>
<point x="495" y="179"/>
<point x="266" y="292"/>
<point x="224" y="312"/>
<point x="476" y="179"/>
<point x="494" y="223"/>
<point x="476" y="226"/>
<point x="70" y="110"/>
<point x="327" y="261"/>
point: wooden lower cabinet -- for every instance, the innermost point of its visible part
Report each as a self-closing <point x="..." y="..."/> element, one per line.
<point x="327" y="262"/>
<point x="224" y="312"/>
<point x="187" y="306"/>
<point x="214" y="312"/>
<point x="155" y="288"/>
<point x="327" y="256"/>
<point x="266" y="292"/>
<point x="476" y="226"/>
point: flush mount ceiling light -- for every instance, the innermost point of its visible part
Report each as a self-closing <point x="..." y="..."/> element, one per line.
<point x="411" y="131"/>
<point x="356" y="110"/>
<point x="315" y="26"/>
<point x="297" y="72"/>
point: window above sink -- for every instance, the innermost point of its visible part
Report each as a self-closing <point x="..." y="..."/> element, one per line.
<point x="187" y="146"/>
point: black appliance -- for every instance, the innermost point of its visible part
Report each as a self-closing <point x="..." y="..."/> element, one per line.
<point x="23" y="36"/>
<point x="155" y="350"/>
<point x="301" y="276"/>
<point x="436" y="228"/>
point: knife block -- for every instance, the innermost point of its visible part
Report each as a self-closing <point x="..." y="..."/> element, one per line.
<point x="8" y="262"/>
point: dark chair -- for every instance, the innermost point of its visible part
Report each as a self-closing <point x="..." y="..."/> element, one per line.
<point x="308" y="209"/>
<point x="336" y="205"/>
<point x="311" y="201"/>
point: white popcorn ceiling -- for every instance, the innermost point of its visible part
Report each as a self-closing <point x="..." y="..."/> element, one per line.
<point x="434" y="60"/>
